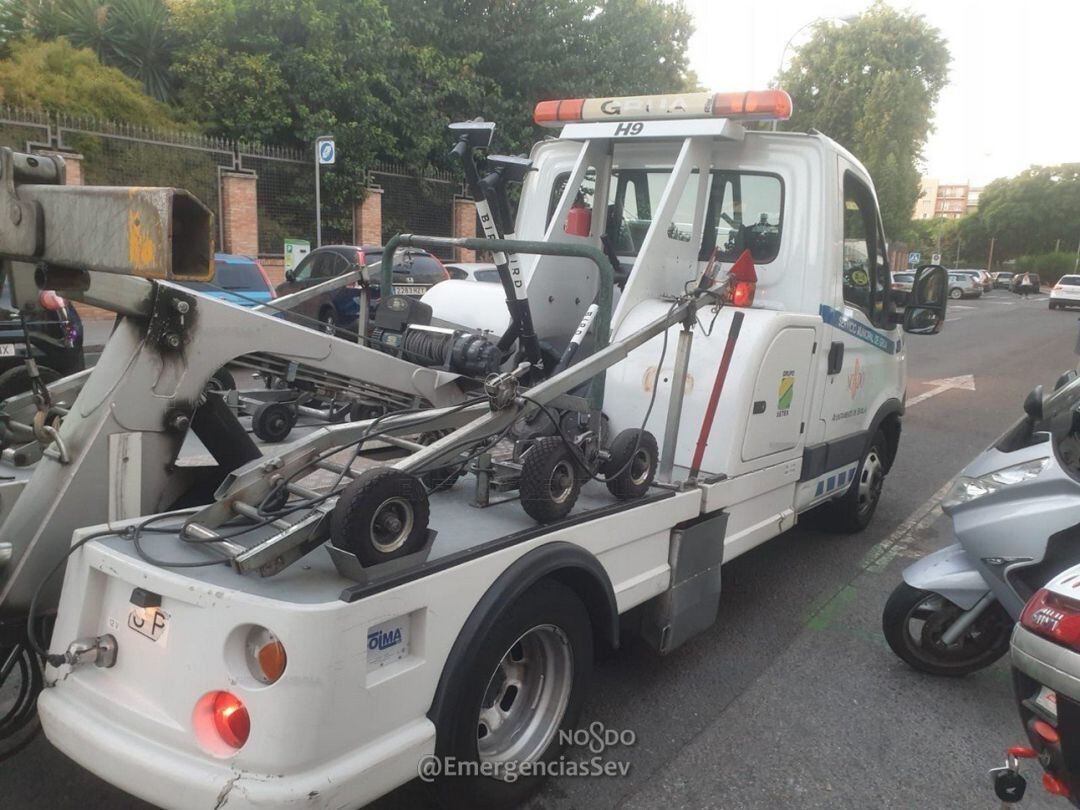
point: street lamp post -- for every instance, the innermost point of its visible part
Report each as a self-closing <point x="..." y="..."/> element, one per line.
<point x="846" y="20"/>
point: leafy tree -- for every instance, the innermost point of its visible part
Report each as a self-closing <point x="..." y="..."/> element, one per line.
<point x="58" y="77"/>
<point x="871" y="85"/>
<point x="532" y="50"/>
<point x="133" y="35"/>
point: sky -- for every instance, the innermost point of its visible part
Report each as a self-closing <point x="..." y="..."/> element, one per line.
<point x="1013" y="98"/>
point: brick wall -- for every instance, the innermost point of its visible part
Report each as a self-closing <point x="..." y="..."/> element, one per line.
<point x="464" y="225"/>
<point x="239" y="213"/>
<point x="367" y="218"/>
<point x="274" y="267"/>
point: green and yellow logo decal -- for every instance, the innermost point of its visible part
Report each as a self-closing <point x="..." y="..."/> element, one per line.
<point x="786" y="393"/>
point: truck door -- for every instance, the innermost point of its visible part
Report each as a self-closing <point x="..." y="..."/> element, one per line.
<point x="860" y="347"/>
<point x="778" y="411"/>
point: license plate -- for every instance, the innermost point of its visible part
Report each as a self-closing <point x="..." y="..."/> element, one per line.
<point x="409" y="289"/>
<point x="151" y="622"/>
<point x="7" y="349"/>
<point x="1047" y="701"/>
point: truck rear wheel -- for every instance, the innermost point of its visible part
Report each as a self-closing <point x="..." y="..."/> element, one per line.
<point x="380" y="516"/>
<point x="508" y="702"/>
<point x="854" y="511"/>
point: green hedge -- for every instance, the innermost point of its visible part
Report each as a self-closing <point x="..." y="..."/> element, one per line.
<point x="1049" y="266"/>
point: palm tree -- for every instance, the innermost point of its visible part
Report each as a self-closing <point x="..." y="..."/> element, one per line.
<point x="133" y="35"/>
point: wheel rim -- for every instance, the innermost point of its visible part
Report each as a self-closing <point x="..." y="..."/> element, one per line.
<point x="561" y="481"/>
<point x="927" y="622"/>
<point x="278" y="423"/>
<point x="526" y="697"/>
<point x="640" y="465"/>
<point x="955" y="294"/>
<point x="391" y="525"/>
<point x="871" y="479"/>
<point x="328" y="323"/>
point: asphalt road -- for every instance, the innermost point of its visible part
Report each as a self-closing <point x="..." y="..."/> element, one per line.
<point x="793" y="699"/>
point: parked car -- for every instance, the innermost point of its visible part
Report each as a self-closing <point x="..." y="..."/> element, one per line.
<point x="240" y="280"/>
<point x="56" y="339"/>
<point x="1018" y="280"/>
<point x="415" y="272"/>
<point x="901" y="287"/>
<point x="963" y="285"/>
<point x="473" y="271"/>
<point x="1002" y="280"/>
<point x="1066" y="293"/>
<point x="981" y="277"/>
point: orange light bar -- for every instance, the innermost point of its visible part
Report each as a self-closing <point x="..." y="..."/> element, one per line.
<point x="754" y="105"/>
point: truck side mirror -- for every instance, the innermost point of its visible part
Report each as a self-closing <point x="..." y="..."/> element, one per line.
<point x="925" y="313"/>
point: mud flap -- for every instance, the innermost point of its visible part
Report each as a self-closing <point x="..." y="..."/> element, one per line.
<point x="690" y="605"/>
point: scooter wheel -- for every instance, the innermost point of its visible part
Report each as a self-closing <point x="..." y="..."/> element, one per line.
<point x="914" y="621"/>
<point x="439" y="478"/>
<point x="631" y="464"/>
<point x="549" y="485"/>
<point x="273" y="421"/>
<point x="380" y="516"/>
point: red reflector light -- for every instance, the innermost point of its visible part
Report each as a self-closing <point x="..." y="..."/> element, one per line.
<point x="51" y="301"/>
<point x="231" y="719"/>
<point x="1054" y="785"/>
<point x="742" y="281"/>
<point x="1054" y="617"/>
<point x="1047" y="732"/>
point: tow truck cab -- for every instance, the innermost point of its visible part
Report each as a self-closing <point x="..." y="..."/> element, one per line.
<point x="307" y="688"/>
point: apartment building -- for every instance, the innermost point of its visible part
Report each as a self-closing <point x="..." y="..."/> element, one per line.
<point x="950" y="200"/>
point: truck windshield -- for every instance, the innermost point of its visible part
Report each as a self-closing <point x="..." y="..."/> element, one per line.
<point x="745" y="212"/>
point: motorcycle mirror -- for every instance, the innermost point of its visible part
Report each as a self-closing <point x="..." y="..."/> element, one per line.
<point x="1033" y="405"/>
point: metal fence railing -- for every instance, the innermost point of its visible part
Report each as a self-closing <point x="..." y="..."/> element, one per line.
<point x="418" y="201"/>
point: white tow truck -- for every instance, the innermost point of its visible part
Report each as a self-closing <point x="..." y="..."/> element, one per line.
<point x="751" y="333"/>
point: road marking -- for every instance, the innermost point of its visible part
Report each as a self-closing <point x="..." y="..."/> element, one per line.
<point x="962" y="306"/>
<point x="879" y="556"/>
<point x="965" y="382"/>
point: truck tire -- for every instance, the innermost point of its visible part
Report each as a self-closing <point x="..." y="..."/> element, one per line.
<point x="509" y="701"/>
<point x="16" y="380"/>
<point x="19" y="690"/>
<point x="380" y="516"/>
<point x="854" y="511"/>
<point x="273" y="421"/>
<point x="549" y="485"/>
<point x="981" y="645"/>
<point x="631" y="464"/>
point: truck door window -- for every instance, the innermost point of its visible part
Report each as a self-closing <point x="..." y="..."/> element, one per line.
<point x="745" y="213"/>
<point x="864" y="267"/>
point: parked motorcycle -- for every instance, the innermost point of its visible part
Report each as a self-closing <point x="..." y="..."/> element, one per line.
<point x="1015" y="512"/>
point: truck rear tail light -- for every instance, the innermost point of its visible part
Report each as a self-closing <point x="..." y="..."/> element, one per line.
<point x="231" y="719"/>
<point x="265" y="655"/>
<point x="51" y="301"/>
<point x="1053" y="616"/>
<point x="742" y="281"/>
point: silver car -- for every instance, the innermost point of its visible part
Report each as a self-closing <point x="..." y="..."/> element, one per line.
<point x="963" y="285"/>
<point x="981" y="277"/>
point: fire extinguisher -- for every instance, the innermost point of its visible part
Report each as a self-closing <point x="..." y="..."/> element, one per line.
<point x="579" y="220"/>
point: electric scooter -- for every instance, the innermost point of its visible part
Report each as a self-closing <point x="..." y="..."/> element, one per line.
<point x="1015" y="512"/>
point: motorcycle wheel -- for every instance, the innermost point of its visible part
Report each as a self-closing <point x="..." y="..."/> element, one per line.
<point x="20" y="684"/>
<point x="914" y="621"/>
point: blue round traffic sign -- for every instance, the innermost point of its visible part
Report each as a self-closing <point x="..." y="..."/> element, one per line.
<point x="326" y="152"/>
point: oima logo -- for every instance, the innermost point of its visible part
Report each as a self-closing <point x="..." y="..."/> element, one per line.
<point x="384" y="639"/>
